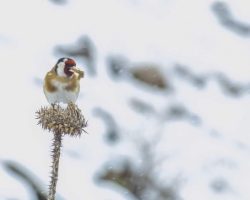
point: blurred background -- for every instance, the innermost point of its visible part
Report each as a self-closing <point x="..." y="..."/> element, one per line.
<point x="166" y="94"/>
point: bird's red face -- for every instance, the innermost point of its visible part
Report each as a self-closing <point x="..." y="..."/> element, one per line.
<point x="64" y="67"/>
<point x="69" y="63"/>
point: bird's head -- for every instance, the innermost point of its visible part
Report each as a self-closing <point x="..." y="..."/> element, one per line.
<point x="65" y="67"/>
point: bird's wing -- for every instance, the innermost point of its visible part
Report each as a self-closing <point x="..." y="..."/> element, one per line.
<point x="48" y="85"/>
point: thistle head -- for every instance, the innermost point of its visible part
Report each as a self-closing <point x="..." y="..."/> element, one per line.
<point x="68" y="121"/>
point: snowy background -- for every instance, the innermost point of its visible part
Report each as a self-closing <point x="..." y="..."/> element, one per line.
<point x="166" y="95"/>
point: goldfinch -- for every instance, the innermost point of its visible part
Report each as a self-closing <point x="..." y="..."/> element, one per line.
<point x="62" y="82"/>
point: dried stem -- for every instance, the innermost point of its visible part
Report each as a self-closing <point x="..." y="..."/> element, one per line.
<point x="57" y="143"/>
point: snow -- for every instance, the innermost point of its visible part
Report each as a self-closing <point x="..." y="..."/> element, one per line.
<point x="166" y="32"/>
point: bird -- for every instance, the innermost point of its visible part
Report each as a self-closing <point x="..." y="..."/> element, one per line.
<point x="62" y="82"/>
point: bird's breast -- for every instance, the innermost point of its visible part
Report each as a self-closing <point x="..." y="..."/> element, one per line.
<point x="60" y="86"/>
<point x="64" y="92"/>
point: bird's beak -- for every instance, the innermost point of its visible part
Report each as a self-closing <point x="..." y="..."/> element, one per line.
<point x="78" y="71"/>
<point x="73" y="69"/>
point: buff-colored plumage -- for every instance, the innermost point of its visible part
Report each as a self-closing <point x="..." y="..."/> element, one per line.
<point x="63" y="89"/>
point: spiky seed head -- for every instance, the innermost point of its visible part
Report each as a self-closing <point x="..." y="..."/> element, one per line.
<point x="68" y="121"/>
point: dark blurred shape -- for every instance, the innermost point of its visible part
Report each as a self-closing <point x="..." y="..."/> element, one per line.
<point x="174" y="112"/>
<point x="225" y="17"/>
<point x="83" y="49"/>
<point x="117" y="65"/>
<point x="228" y="86"/>
<point x="141" y="106"/>
<point x="126" y="178"/>
<point x="179" y="112"/>
<point x="220" y="185"/>
<point x="149" y="74"/>
<point x="112" y="134"/>
<point x="19" y="171"/>
<point x="59" y="2"/>
<point x="142" y="185"/>
<point x="197" y="80"/>
<point x="141" y="176"/>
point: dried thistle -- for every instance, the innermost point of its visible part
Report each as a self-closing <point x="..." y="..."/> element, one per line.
<point x="60" y="121"/>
